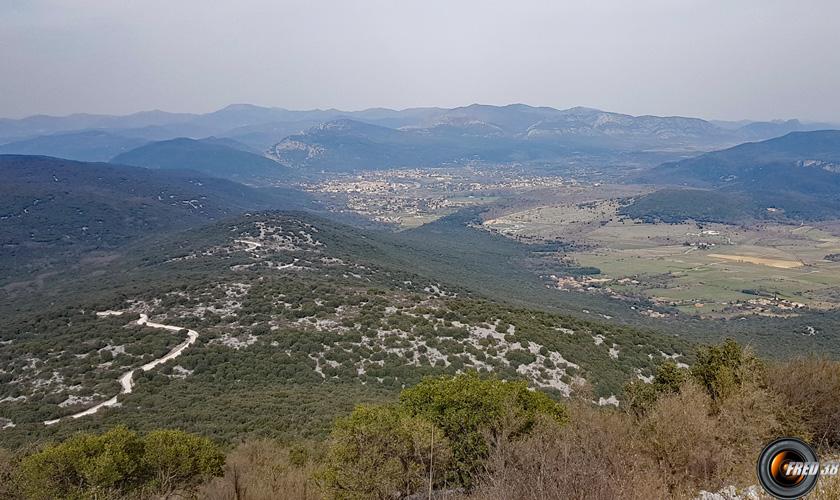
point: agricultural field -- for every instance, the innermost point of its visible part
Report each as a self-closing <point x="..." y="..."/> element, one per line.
<point x="706" y="269"/>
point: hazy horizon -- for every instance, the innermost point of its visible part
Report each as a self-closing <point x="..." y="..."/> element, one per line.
<point x="762" y="60"/>
<point x="139" y="111"/>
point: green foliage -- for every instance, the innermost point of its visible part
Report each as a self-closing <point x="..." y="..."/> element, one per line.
<point x="721" y="369"/>
<point x="116" y="463"/>
<point x="520" y="357"/>
<point x="298" y="455"/>
<point x="674" y="206"/>
<point x="175" y="458"/>
<point x="349" y="326"/>
<point x="669" y="377"/>
<point x="475" y="412"/>
<point x="84" y="466"/>
<point x="382" y="452"/>
<point x="84" y="206"/>
<point x="206" y="156"/>
<point x="750" y="177"/>
<point x="639" y="396"/>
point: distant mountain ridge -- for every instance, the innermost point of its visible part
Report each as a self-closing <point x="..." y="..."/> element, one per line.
<point x="87" y="145"/>
<point x="499" y="134"/>
<point x="218" y="157"/>
<point x="796" y="176"/>
<point x="515" y="132"/>
<point x="737" y="165"/>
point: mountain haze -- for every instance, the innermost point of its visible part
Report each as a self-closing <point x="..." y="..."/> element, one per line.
<point x="87" y="145"/>
<point x="215" y="157"/>
<point x="796" y="176"/>
<point x="515" y="132"/>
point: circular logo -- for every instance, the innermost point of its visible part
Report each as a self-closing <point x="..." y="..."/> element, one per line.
<point x="788" y="468"/>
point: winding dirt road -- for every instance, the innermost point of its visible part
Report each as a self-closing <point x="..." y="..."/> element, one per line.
<point x="127" y="379"/>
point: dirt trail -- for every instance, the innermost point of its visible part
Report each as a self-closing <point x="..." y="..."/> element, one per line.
<point x="127" y="379"/>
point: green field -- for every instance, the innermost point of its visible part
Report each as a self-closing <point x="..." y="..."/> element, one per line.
<point x="707" y="269"/>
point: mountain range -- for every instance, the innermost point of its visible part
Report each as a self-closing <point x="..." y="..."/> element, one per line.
<point x="86" y="145"/>
<point x="796" y="176"/>
<point x="513" y="133"/>
<point x="341" y="140"/>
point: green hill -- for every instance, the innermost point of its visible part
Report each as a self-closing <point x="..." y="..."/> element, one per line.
<point x="299" y="318"/>
<point x="55" y="208"/>
<point x="212" y="157"/>
<point x="88" y="145"/>
<point x="796" y="176"/>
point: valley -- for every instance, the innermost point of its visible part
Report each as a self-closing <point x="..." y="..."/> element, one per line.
<point x="374" y="250"/>
<point x="544" y="273"/>
<point x="351" y="263"/>
<point x="407" y="198"/>
<point x="697" y="268"/>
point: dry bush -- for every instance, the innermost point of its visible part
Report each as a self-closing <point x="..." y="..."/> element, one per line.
<point x="811" y="388"/>
<point x="683" y="443"/>
<point x="8" y="468"/>
<point x="264" y="470"/>
<point x="828" y="488"/>
<point x="748" y="420"/>
<point x="681" y="435"/>
<point x="595" y="456"/>
<point x="706" y="445"/>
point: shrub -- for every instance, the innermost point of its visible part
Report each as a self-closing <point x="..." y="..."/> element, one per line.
<point x="595" y="456"/>
<point x="669" y="378"/>
<point x="117" y="463"/>
<point x="811" y="388"/>
<point x="639" y="395"/>
<point x="721" y="369"/>
<point x="259" y="470"/>
<point x="477" y="413"/>
<point x="176" y="459"/>
<point x="382" y="452"/>
<point x="681" y="435"/>
<point x="8" y="486"/>
<point x="709" y="445"/>
<point x="520" y="357"/>
<point x="84" y="465"/>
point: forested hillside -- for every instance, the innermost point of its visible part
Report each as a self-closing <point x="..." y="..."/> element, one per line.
<point x="795" y="177"/>
<point x="52" y="208"/>
<point x="477" y="437"/>
<point x="289" y="308"/>
<point x="213" y="157"/>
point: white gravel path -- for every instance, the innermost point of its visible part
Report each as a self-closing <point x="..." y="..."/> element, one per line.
<point x="127" y="379"/>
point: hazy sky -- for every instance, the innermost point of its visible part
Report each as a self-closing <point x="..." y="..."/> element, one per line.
<point x="726" y="59"/>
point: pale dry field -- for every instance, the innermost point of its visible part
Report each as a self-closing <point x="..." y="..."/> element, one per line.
<point x="695" y="267"/>
<point x="783" y="264"/>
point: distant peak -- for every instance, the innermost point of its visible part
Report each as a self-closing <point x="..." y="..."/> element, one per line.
<point x="583" y="109"/>
<point x="242" y="107"/>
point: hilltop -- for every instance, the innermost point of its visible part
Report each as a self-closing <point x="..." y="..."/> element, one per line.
<point x="222" y="158"/>
<point x="793" y="177"/>
<point x="55" y="208"/>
